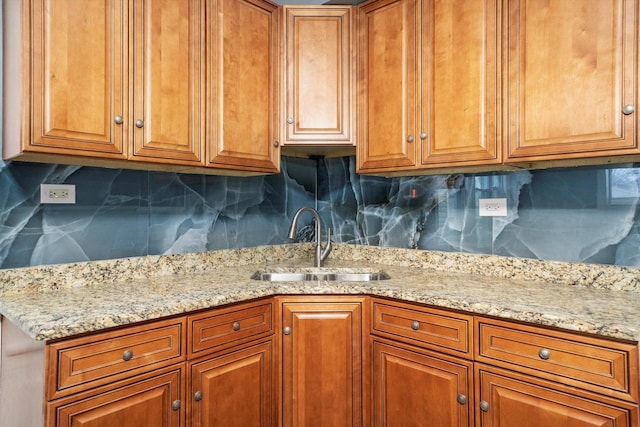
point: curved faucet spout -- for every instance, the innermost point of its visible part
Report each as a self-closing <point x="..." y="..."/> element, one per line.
<point x="321" y="254"/>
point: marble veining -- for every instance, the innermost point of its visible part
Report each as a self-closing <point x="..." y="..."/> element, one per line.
<point x="87" y="297"/>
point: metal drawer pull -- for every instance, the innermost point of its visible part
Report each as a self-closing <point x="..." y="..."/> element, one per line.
<point x="198" y="396"/>
<point x="484" y="405"/>
<point x="236" y="326"/>
<point x="544" y="353"/>
<point x="127" y="355"/>
<point x="628" y="109"/>
<point x="415" y="325"/>
<point x="176" y="405"/>
<point x="286" y="330"/>
<point x="462" y="399"/>
<point x="119" y="120"/>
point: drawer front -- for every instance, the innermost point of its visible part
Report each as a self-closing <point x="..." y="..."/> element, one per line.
<point x="600" y="365"/>
<point x="430" y="328"/>
<point x="228" y="327"/>
<point x="102" y="358"/>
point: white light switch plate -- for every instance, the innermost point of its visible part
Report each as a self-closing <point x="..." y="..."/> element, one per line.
<point x="492" y="207"/>
<point x="58" y="193"/>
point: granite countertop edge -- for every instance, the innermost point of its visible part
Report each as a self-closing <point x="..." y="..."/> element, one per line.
<point x="54" y="302"/>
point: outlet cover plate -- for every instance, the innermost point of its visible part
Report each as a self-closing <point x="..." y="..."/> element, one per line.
<point x="492" y="207"/>
<point x="58" y="193"/>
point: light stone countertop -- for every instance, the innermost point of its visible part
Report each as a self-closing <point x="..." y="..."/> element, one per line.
<point x="52" y="302"/>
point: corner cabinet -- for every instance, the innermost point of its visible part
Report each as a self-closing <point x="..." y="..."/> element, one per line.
<point x="319" y="75"/>
<point x="572" y="81"/>
<point x="144" y="86"/>
<point x="322" y="361"/>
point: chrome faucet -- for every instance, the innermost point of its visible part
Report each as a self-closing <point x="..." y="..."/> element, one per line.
<point x="321" y="254"/>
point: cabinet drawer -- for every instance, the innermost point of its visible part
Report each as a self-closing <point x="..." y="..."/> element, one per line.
<point x="224" y="328"/>
<point x="81" y="363"/>
<point x="430" y="328"/>
<point x="600" y="365"/>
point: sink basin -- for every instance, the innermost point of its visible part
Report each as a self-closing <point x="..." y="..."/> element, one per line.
<point x="315" y="274"/>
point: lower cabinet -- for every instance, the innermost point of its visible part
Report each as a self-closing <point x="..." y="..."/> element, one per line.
<point x="153" y="400"/>
<point x="233" y="389"/>
<point x="416" y="387"/>
<point x="322" y="361"/>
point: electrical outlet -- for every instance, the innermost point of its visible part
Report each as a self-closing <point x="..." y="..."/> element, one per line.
<point x="492" y="207"/>
<point x="58" y="193"/>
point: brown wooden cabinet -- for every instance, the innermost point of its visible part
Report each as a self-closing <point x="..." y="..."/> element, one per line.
<point x="417" y="387"/>
<point x="322" y="361"/>
<point x="231" y="366"/>
<point x="150" y="400"/>
<point x="244" y="92"/>
<point x="388" y="73"/>
<point x="506" y="398"/>
<point x="572" y="75"/>
<point x="319" y="75"/>
<point x="182" y="86"/>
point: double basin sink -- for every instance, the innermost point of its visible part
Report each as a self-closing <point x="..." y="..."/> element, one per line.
<point x="319" y="274"/>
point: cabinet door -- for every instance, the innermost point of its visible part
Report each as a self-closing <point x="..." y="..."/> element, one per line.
<point x="319" y="75"/>
<point x="152" y="400"/>
<point x="460" y="83"/>
<point x="234" y="389"/>
<point x="387" y="78"/>
<point x="322" y="372"/>
<point x="505" y="398"/>
<point x="413" y="387"/>
<point x="168" y="115"/>
<point x="571" y="73"/>
<point x="78" y="78"/>
<point x="242" y="77"/>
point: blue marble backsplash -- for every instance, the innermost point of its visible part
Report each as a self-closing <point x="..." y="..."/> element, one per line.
<point x="586" y="214"/>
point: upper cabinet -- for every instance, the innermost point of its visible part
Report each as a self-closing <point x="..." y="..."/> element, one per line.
<point x="243" y="72"/>
<point x="127" y="84"/>
<point x="167" y="123"/>
<point x="429" y="84"/>
<point x="461" y="99"/>
<point x="319" y="75"/>
<point x="388" y="71"/>
<point x="66" y="82"/>
<point x="572" y="83"/>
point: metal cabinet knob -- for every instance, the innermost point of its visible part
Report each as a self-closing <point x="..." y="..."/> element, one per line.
<point x="410" y="138"/>
<point x="423" y="136"/>
<point x="139" y="123"/>
<point x="484" y="406"/>
<point x="276" y="144"/>
<point x="628" y="109"/>
<point x="127" y="355"/>
<point x="176" y="405"/>
<point x="544" y="353"/>
<point x="118" y="119"/>
<point x="290" y="120"/>
<point x="236" y="326"/>
<point x="286" y="330"/>
<point x="462" y="399"/>
<point x="198" y="396"/>
<point x="415" y="325"/>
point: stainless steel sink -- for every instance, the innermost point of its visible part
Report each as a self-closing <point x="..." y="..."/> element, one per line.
<point x="307" y="275"/>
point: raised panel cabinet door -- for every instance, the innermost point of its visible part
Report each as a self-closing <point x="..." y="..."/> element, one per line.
<point x="168" y="114"/>
<point x="508" y="399"/>
<point x="413" y="387"/>
<point x="461" y="85"/>
<point x="571" y="86"/>
<point x="387" y="102"/>
<point x="78" y="87"/>
<point x="151" y="400"/>
<point x="322" y="358"/>
<point x="243" y="85"/>
<point x="234" y="389"/>
<point x="319" y="75"/>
